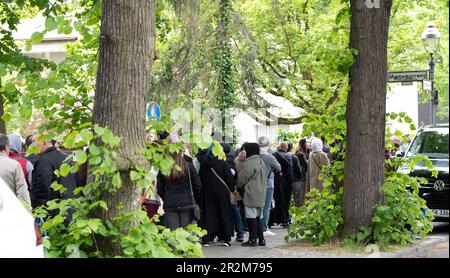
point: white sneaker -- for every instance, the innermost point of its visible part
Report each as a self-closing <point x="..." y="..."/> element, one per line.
<point x="269" y="233"/>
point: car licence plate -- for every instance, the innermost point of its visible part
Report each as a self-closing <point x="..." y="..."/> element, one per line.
<point x="440" y="213"/>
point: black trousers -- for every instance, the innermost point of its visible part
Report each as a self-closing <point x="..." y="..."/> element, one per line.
<point x="287" y="194"/>
<point x="255" y="229"/>
<point x="178" y="219"/>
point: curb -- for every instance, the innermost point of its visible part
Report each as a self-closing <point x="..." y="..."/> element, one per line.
<point x="424" y="246"/>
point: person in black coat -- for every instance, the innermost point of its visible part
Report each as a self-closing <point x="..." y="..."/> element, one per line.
<point x="49" y="160"/>
<point x="215" y="203"/>
<point x="180" y="191"/>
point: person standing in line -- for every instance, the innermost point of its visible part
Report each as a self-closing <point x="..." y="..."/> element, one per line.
<point x="316" y="162"/>
<point x="286" y="186"/>
<point x="31" y="157"/>
<point x="297" y="175"/>
<point x="273" y="168"/>
<point x="179" y="190"/>
<point x="302" y="154"/>
<point x="252" y="180"/>
<point x="49" y="160"/>
<point x="16" y="150"/>
<point x="11" y="172"/>
<point x="237" y="219"/>
<point x="217" y="182"/>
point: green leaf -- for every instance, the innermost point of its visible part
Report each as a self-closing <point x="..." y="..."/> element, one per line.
<point x="94" y="150"/>
<point x="80" y="157"/>
<point x="50" y="24"/>
<point x="134" y="175"/>
<point x="64" y="169"/>
<point x="135" y="236"/>
<point x="86" y="135"/>
<point x="46" y="243"/>
<point x="103" y="205"/>
<point x="116" y="181"/>
<point x="37" y="37"/>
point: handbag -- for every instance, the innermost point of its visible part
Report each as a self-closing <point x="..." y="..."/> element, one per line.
<point x="233" y="195"/>
<point x="196" y="208"/>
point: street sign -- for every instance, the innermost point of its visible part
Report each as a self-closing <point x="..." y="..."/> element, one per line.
<point x="427" y="85"/>
<point x="407" y="76"/>
<point x="153" y="111"/>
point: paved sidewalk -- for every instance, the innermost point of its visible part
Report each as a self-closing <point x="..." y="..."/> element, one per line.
<point x="278" y="248"/>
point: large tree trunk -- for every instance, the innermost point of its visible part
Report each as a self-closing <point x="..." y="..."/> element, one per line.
<point x="126" y="47"/>
<point x="224" y="66"/>
<point x="366" y="109"/>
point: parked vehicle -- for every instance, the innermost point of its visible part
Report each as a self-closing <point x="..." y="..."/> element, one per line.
<point x="432" y="141"/>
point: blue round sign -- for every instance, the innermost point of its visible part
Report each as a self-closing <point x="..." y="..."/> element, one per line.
<point x="153" y="111"/>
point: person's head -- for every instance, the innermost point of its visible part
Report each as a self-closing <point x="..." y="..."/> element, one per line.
<point x="396" y="141"/>
<point x="162" y="134"/>
<point x="29" y="140"/>
<point x="303" y="145"/>
<point x="4" y="143"/>
<point x="179" y="167"/>
<point x="284" y="146"/>
<point x="15" y="143"/>
<point x="316" y="145"/>
<point x="264" y="141"/>
<point x="290" y="145"/>
<point x="251" y="149"/>
<point x="43" y="144"/>
<point x="243" y="146"/>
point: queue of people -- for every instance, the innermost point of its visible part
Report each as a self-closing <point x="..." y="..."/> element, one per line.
<point x="251" y="190"/>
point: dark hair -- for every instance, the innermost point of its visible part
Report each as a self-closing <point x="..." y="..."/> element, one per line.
<point x="290" y="145"/>
<point x="243" y="146"/>
<point x="251" y="149"/>
<point x="29" y="140"/>
<point x="302" y="147"/>
<point x="3" y="142"/>
<point x="180" y="162"/>
<point x="162" y="134"/>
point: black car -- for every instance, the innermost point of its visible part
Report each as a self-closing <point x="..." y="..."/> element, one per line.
<point x="432" y="141"/>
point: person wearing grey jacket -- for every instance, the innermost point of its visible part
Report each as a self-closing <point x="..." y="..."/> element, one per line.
<point x="11" y="172"/>
<point x="252" y="180"/>
<point x="273" y="168"/>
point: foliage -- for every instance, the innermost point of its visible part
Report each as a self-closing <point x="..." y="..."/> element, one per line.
<point x="287" y="136"/>
<point x="402" y="217"/>
<point x="405" y="48"/>
<point x="73" y="231"/>
<point x="318" y="220"/>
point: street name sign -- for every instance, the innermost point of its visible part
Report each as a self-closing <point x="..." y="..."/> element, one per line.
<point x="407" y="76"/>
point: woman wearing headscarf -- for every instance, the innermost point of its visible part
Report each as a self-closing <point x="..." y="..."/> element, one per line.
<point x="316" y="162"/>
<point x="252" y="180"/>
<point x="217" y="181"/>
<point x="16" y="150"/>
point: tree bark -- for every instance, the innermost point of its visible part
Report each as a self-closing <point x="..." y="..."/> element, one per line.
<point x="127" y="38"/>
<point x="366" y="109"/>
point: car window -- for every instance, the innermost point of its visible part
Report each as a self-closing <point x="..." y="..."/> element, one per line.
<point x="433" y="144"/>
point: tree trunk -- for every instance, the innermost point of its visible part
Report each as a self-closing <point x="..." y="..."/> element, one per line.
<point x="127" y="38"/>
<point x="224" y="67"/>
<point x="366" y="109"/>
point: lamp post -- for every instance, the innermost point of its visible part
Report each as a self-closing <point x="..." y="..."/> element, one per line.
<point x="430" y="39"/>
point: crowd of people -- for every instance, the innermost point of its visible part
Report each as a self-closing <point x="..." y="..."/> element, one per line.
<point x="30" y="176"/>
<point x="250" y="191"/>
